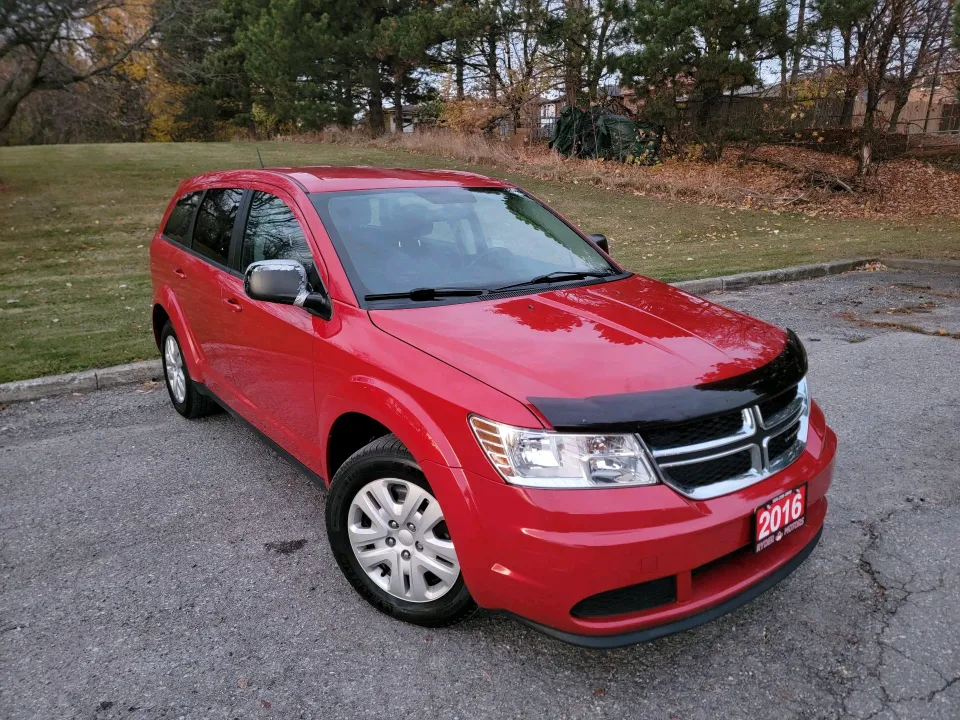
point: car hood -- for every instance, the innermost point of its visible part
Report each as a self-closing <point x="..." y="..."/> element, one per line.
<point x="628" y="336"/>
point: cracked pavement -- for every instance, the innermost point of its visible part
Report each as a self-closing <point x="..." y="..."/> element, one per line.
<point x="152" y="567"/>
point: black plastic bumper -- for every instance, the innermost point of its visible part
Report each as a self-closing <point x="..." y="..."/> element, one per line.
<point x="687" y="623"/>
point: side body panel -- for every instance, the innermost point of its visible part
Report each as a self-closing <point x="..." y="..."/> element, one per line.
<point x="163" y="261"/>
<point x="197" y="288"/>
<point x="271" y="349"/>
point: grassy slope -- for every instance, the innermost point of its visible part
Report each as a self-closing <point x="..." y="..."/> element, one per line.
<point x="75" y="224"/>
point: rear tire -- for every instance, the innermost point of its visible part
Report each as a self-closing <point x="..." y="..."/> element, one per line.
<point x="184" y="396"/>
<point x="381" y="508"/>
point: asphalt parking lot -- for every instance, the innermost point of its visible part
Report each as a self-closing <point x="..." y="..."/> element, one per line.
<point x="146" y="568"/>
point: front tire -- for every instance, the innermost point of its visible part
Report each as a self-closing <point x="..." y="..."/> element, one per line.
<point x="390" y="539"/>
<point x="184" y="396"/>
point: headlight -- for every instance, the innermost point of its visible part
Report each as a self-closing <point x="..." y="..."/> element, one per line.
<point x="537" y="458"/>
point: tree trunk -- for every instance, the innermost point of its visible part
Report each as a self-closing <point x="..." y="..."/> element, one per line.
<point x="797" y="41"/>
<point x="707" y="126"/>
<point x="458" y="64"/>
<point x="375" y="103"/>
<point x="398" y="98"/>
<point x="492" y="65"/>
<point x="15" y="89"/>
<point x="850" y="91"/>
<point x="597" y="58"/>
<point x="865" y="164"/>
<point x="846" y="110"/>
<point x="571" y="87"/>
<point x="573" y="53"/>
<point x="344" y="110"/>
<point x="865" y="151"/>
<point x="783" y="55"/>
<point x="875" y="81"/>
<point x="8" y="106"/>
<point x="936" y="68"/>
<point x="900" y="99"/>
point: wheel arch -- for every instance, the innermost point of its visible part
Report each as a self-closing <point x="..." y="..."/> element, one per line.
<point x="427" y="426"/>
<point x="159" y="318"/>
<point x="166" y="308"/>
<point x="350" y="432"/>
<point x="369" y="408"/>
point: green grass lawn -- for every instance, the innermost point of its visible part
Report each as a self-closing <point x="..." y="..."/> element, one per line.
<point x="76" y="222"/>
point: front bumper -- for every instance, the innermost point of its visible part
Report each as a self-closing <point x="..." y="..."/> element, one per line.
<point x="535" y="554"/>
<point x="687" y="622"/>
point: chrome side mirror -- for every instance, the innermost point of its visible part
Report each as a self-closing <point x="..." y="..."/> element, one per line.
<point x="285" y="282"/>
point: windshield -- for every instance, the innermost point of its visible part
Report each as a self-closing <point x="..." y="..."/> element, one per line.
<point x="397" y="241"/>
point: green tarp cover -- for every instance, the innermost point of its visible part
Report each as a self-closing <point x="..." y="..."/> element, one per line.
<point x="599" y="134"/>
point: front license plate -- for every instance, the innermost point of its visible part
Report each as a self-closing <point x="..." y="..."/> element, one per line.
<point x="780" y="517"/>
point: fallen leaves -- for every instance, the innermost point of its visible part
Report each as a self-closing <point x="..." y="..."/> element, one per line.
<point x="904" y="188"/>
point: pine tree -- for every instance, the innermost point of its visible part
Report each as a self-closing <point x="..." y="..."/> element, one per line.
<point x="696" y="50"/>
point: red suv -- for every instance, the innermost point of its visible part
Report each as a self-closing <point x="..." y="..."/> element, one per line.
<point x="504" y="416"/>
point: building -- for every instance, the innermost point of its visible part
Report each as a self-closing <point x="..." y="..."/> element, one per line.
<point x="409" y="113"/>
<point x="919" y="116"/>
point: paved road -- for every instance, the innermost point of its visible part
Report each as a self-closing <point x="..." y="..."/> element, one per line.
<point x="137" y="579"/>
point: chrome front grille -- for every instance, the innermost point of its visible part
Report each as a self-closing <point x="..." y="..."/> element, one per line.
<point x="760" y="440"/>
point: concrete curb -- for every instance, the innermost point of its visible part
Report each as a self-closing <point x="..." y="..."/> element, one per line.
<point x="86" y="380"/>
<point x="944" y="266"/>
<point x="769" y="277"/>
<point x="102" y="378"/>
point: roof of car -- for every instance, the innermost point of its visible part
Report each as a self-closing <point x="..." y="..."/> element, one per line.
<point x="331" y="178"/>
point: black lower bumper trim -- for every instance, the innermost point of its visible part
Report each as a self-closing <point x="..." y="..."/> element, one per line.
<point x="687" y="623"/>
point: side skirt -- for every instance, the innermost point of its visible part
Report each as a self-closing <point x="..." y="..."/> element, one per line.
<point x="204" y="390"/>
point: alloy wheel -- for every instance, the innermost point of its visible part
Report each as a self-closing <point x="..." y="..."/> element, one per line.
<point x="399" y="537"/>
<point x="173" y="365"/>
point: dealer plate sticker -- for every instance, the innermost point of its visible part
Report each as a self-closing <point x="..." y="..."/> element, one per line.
<point x="780" y="517"/>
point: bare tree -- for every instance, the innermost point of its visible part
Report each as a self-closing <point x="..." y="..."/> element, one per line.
<point x="876" y="34"/>
<point x="869" y="30"/>
<point x="507" y="59"/>
<point x="799" y="41"/>
<point x="888" y="46"/>
<point x="588" y="31"/>
<point x="916" y="50"/>
<point x="577" y="19"/>
<point x="52" y="44"/>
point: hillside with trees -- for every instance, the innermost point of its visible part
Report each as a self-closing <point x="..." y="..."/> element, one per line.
<point x="138" y="70"/>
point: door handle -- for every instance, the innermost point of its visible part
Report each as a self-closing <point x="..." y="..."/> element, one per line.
<point x="180" y="273"/>
<point x="233" y="304"/>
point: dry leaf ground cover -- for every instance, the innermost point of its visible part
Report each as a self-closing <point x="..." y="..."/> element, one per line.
<point x="903" y="189"/>
<point x="75" y="224"/>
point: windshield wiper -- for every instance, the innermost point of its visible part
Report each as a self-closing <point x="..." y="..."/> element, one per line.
<point x="426" y="294"/>
<point x="557" y="276"/>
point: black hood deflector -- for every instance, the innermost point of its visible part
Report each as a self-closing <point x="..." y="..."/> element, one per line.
<point x="634" y="411"/>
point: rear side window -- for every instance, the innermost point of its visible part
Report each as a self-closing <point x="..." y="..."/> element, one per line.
<point x="178" y="224"/>
<point x="214" y="227"/>
<point x="273" y="233"/>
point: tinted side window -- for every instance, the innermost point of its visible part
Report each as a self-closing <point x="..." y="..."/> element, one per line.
<point x="273" y="233"/>
<point x="178" y="224"/>
<point x="214" y="227"/>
